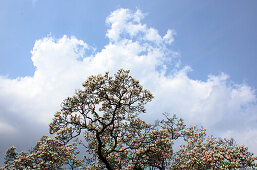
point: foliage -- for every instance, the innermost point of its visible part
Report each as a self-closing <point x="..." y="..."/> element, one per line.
<point x="201" y="152"/>
<point x="47" y="154"/>
<point x="104" y="115"/>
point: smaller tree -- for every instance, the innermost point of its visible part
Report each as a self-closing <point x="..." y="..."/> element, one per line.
<point x="47" y="154"/>
<point x="201" y="152"/>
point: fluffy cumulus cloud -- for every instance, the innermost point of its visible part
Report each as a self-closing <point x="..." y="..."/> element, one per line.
<point x="225" y="108"/>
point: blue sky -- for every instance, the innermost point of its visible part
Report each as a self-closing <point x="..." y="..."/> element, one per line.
<point x="212" y="36"/>
<point x="197" y="57"/>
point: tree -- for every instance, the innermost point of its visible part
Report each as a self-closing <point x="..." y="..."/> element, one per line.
<point x="103" y="117"/>
<point x="47" y="154"/>
<point x="201" y="152"/>
<point x="107" y="112"/>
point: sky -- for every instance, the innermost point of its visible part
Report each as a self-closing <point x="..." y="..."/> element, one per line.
<point x="196" y="57"/>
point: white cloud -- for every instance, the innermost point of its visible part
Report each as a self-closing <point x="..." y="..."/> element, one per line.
<point x="61" y="67"/>
<point x="206" y="102"/>
<point x="124" y="21"/>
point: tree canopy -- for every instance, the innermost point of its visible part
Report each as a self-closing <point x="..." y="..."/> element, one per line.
<point x="103" y="118"/>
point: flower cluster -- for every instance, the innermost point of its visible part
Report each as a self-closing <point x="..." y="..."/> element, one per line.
<point x="47" y="154"/>
<point x="201" y="152"/>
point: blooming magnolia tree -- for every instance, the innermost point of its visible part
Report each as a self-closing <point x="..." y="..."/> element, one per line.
<point x="103" y="117"/>
<point x="201" y="152"/>
<point x="47" y="154"/>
